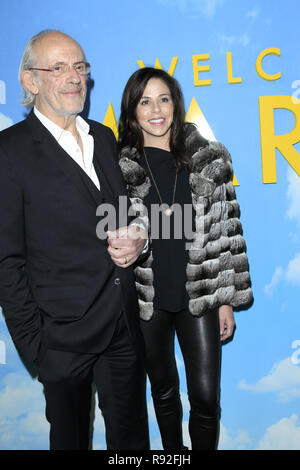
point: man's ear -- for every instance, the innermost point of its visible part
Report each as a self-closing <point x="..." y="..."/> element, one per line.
<point x="29" y="81"/>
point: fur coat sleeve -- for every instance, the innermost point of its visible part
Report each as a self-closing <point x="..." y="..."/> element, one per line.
<point x="218" y="269"/>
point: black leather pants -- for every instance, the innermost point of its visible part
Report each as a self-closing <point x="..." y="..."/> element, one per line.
<point x="199" y="340"/>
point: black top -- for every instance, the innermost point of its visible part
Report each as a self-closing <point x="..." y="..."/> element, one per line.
<point x="170" y="235"/>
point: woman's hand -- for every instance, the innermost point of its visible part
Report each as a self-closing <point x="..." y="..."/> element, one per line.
<point x="126" y="244"/>
<point x="227" y="322"/>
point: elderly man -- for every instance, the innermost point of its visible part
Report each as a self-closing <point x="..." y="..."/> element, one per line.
<point x="68" y="296"/>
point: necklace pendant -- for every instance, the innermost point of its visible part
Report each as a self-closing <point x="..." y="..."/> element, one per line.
<point x="169" y="211"/>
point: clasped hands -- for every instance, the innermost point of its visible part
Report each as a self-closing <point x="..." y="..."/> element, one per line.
<point x="125" y="244"/>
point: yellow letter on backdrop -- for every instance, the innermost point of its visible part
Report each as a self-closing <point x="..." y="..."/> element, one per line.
<point x="200" y="68"/>
<point x="158" y="65"/>
<point x="110" y="120"/>
<point x="231" y="78"/>
<point x="284" y="143"/>
<point x="259" y="69"/>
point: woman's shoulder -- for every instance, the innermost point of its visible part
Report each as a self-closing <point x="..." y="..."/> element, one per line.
<point x="209" y="158"/>
<point x="193" y="138"/>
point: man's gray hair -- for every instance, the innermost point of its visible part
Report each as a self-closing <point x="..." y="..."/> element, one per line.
<point x="29" y="60"/>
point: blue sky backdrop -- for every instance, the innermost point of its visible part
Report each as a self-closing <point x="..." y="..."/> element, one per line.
<point x="261" y="366"/>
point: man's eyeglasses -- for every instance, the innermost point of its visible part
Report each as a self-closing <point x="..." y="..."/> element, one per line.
<point x="82" y="68"/>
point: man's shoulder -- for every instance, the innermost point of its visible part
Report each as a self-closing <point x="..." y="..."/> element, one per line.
<point x="101" y="129"/>
<point x="14" y="133"/>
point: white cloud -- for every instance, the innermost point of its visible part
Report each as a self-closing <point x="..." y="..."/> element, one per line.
<point x="22" y="418"/>
<point x="228" y="41"/>
<point x="292" y="273"/>
<point x="229" y="441"/>
<point x="241" y="40"/>
<point x="34" y="423"/>
<point x="276" y="278"/>
<point x="186" y="435"/>
<point x="19" y="395"/>
<point x="193" y="8"/>
<point x="283" y="379"/>
<point x="29" y="432"/>
<point x="252" y="14"/>
<point x="284" y="435"/>
<point x="23" y="424"/>
<point x="5" y="121"/>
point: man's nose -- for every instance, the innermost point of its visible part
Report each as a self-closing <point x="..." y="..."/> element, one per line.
<point x="74" y="75"/>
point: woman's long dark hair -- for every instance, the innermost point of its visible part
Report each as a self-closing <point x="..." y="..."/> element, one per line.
<point x="130" y="132"/>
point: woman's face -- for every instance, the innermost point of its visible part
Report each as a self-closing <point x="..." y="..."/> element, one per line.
<point x="154" y="113"/>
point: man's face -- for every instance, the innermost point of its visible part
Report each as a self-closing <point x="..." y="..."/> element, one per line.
<point x="64" y="96"/>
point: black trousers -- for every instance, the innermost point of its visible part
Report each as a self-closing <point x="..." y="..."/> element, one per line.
<point x="199" y="340"/>
<point x="119" y="376"/>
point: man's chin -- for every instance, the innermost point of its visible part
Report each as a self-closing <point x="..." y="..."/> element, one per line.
<point x="74" y="107"/>
<point x="73" y="111"/>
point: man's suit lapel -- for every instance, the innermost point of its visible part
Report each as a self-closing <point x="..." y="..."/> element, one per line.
<point x="56" y="153"/>
<point x="107" y="168"/>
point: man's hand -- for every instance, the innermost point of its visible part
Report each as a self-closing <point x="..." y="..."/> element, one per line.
<point x="227" y="321"/>
<point x="125" y="244"/>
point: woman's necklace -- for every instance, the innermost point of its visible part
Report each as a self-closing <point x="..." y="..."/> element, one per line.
<point x="169" y="210"/>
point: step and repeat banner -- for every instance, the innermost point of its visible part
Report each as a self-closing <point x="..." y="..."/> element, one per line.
<point x="239" y="67"/>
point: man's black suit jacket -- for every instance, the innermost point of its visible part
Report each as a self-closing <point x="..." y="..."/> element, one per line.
<point x="58" y="285"/>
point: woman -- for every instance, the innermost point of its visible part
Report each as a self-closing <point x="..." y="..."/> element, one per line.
<point x="166" y="162"/>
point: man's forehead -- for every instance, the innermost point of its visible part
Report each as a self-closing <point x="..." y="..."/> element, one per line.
<point x="57" y="47"/>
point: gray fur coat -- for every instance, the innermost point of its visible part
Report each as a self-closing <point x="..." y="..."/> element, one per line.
<point x="217" y="271"/>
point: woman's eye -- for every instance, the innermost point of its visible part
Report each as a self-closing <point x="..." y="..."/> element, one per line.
<point x="144" y="102"/>
<point x="165" y="99"/>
